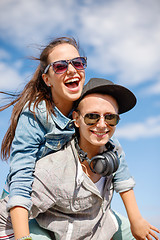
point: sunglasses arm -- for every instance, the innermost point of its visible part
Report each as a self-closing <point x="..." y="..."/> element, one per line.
<point x="47" y="68"/>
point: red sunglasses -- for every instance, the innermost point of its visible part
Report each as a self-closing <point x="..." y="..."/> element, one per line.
<point x="59" y="67"/>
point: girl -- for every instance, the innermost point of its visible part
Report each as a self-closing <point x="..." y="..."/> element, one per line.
<point x="39" y="121"/>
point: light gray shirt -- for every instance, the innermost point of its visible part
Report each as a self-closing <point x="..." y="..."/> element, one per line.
<point x="67" y="202"/>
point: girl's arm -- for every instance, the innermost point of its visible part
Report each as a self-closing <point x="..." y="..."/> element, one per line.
<point x="43" y="197"/>
<point x="140" y="228"/>
<point x="29" y="135"/>
<point x="19" y="217"/>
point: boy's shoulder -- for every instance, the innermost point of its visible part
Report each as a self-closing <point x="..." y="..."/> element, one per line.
<point x="57" y="159"/>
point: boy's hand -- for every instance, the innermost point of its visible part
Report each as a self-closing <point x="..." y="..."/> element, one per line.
<point x="142" y="230"/>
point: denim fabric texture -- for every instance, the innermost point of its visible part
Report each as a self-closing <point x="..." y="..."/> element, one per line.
<point x="34" y="138"/>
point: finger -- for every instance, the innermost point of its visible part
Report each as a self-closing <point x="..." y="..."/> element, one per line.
<point x="153" y="234"/>
<point x="155" y="229"/>
<point x="149" y="237"/>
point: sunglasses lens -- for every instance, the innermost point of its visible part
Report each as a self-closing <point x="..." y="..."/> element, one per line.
<point x="60" y="66"/>
<point x="79" y="63"/>
<point x="112" y="119"/>
<point x="91" y="118"/>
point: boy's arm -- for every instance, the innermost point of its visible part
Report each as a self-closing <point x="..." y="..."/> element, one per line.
<point x="140" y="228"/>
<point x="19" y="216"/>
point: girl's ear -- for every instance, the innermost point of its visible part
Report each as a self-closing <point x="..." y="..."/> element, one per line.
<point x="46" y="79"/>
<point x="75" y="116"/>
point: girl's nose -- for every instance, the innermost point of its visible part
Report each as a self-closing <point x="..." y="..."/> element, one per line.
<point x="71" y="68"/>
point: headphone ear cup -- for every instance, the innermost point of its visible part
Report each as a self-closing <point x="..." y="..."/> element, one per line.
<point x="98" y="164"/>
<point x="105" y="164"/>
<point x="113" y="162"/>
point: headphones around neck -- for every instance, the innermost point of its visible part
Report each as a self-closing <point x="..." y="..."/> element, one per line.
<point x="104" y="164"/>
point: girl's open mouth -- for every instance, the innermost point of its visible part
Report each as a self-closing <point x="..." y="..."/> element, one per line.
<point x="72" y="83"/>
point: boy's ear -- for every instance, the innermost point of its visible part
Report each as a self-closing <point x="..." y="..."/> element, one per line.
<point x="75" y="117"/>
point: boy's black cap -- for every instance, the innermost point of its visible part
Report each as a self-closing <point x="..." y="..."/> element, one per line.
<point x="125" y="98"/>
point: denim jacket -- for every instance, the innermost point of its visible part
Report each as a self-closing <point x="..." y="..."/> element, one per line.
<point x="37" y="137"/>
<point x="34" y="138"/>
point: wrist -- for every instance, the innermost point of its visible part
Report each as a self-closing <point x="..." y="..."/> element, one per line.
<point x="26" y="238"/>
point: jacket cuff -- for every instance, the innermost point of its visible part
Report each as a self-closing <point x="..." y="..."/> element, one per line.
<point x="125" y="185"/>
<point x="20" y="201"/>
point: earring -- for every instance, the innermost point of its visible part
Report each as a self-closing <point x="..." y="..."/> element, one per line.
<point x="49" y="85"/>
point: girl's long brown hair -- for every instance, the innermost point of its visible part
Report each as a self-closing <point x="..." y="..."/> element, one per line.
<point x="34" y="91"/>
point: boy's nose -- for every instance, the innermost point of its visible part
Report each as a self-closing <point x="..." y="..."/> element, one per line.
<point x="101" y="123"/>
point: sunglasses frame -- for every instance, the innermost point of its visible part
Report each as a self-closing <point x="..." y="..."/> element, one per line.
<point x="67" y="62"/>
<point x="99" y="117"/>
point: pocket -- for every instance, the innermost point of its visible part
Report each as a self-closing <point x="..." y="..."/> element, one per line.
<point x="57" y="142"/>
<point x="53" y="146"/>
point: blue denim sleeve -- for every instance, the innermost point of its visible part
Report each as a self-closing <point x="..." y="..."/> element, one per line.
<point x="29" y="136"/>
<point x="122" y="180"/>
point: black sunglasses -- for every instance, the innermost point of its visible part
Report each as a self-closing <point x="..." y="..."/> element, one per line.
<point x="59" y="67"/>
<point x="92" y="118"/>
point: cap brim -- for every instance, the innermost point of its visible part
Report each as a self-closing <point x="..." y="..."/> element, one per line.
<point x="125" y="98"/>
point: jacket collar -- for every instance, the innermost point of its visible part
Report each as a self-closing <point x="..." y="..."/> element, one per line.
<point x="61" y="120"/>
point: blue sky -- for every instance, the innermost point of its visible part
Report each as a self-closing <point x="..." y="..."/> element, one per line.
<point x="121" y="39"/>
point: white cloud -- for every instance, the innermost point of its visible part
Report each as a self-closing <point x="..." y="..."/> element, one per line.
<point x="154" y="89"/>
<point x="34" y="21"/>
<point x="148" y="129"/>
<point x="124" y="35"/>
<point x="4" y="55"/>
<point x="10" y="77"/>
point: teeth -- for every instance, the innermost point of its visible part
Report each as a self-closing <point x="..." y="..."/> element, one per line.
<point x="72" y="80"/>
<point x="98" y="133"/>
